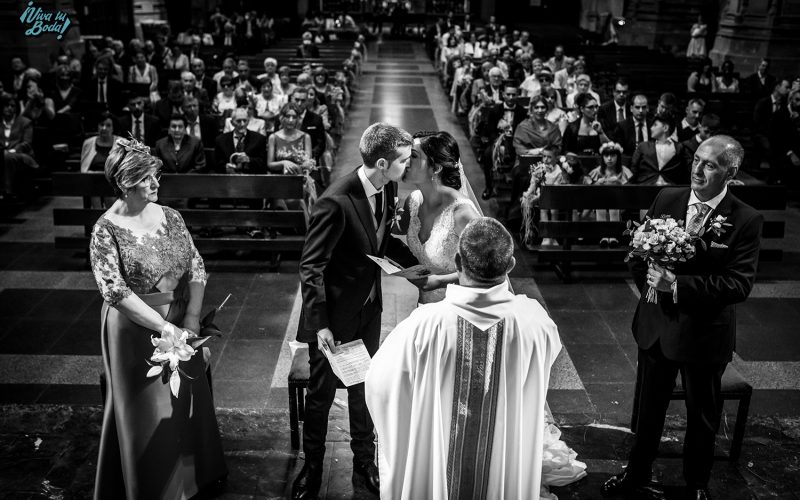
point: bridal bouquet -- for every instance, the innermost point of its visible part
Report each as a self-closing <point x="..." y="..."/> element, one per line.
<point x="661" y="241"/>
<point x="176" y="345"/>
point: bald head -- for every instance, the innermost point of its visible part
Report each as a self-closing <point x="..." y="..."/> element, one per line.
<point x="715" y="163"/>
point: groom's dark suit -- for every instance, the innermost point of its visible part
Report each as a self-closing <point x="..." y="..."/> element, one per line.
<point x="337" y="280"/>
<point x="696" y="335"/>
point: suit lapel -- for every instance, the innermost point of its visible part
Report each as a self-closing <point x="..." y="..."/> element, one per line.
<point x="359" y="199"/>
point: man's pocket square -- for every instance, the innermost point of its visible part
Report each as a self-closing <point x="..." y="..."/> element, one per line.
<point x="714" y="244"/>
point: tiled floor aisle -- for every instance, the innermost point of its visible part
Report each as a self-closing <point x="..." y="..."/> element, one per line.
<point x="49" y="307"/>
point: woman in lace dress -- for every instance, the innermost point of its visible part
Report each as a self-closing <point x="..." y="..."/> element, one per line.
<point x="153" y="445"/>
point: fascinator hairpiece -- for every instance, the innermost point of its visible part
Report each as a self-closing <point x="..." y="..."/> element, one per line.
<point x="132" y="145"/>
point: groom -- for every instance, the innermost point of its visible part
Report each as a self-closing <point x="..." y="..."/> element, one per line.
<point x="342" y="292"/>
<point x="692" y="328"/>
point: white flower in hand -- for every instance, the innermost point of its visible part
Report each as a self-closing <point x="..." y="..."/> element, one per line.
<point x="171" y="348"/>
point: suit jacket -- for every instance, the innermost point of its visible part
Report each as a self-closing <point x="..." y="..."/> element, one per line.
<point x="607" y="116"/>
<point x="313" y="126"/>
<point x="152" y="128"/>
<point x="113" y="96"/>
<point x="163" y="110"/>
<point x="190" y="158"/>
<point x="335" y="274"/>
<point x="209" y="130"/>
<point x="21" y="136"/>
<point x="210" y="86"/>
<point x="625" y="134"/>
<point x="494" y="114"/>
<point x="691" y="144"/>
<point x="753" y="84"/>
<point x="255" y="146"/>
<point x="701" y="326"/>
<point x="644" y="165"/>
<point x="685" y="133"/>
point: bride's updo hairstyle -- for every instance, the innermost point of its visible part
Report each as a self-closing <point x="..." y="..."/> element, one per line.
<point x="128" y="163"/>
<point x="441" y="149"/>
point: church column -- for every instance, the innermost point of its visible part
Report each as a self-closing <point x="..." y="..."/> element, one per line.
<point x="660" y="24"/>
<point x="752" y="29"/>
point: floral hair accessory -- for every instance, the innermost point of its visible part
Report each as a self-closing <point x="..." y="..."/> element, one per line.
<point x="609" y="147"/>
<point x="132" y="145"/>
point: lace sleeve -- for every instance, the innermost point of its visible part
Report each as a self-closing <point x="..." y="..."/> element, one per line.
<point x="197" y="272"/>
<point x="105" y="260"/>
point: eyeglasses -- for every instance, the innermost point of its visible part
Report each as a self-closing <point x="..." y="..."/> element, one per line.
<point x="593" y="106"/>
<point x="151" y="178"/>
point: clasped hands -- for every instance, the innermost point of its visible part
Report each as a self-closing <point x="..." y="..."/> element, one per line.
<point x="660" y="278"/>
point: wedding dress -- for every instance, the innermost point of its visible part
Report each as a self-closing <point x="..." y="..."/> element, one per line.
<point x="437" y="253"/>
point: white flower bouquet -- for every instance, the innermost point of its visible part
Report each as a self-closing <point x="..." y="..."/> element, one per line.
<point x="662" y="241"/>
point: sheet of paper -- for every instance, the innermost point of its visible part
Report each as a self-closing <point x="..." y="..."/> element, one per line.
<point x="350" y="363"/>
<point x="394" y="269"/>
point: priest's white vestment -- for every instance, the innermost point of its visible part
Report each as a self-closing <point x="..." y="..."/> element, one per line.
<point x="481" y="358"/>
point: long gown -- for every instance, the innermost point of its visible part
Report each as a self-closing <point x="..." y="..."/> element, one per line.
<point x="559" y="466"/>
<point x="153" y="445"/>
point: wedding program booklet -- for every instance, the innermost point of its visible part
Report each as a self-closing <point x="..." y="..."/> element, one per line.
<point x="392" y="268"/>
<point x="350" y="362"/>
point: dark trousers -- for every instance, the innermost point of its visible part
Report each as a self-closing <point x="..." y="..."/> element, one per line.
<point x="322" y="386"/>
<point x="703" y="408"/>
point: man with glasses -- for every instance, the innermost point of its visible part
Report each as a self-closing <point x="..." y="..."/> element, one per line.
<point x="310" y="122"/>
<point x="616" y="111"/>
<point x="636" y="127"/>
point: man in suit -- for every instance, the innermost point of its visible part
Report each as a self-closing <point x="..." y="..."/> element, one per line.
<point x="142" y="126"/>
<point x="341" y="291"/>
<point x="508" y="110"/>
<point x="708" y="126"/>
<point x="615" y="111"/>
<point x="240" y="151"/>
<point x="760" y="83"/>
<point x="190" y="89"/>
<point x="103" y="93"/>
<point x="204" y="81"/>
<point x="165" y="108"/>
<point x="660" y="161"/>
<point x="310" y="122"/>
<point x="200" y="126"/>
<point x="771" y="120"/>
<point x="691" y="122"/>
<point x="180" y="152"/>
<point x="692" y="327"/>
<point x="636" y="128"/>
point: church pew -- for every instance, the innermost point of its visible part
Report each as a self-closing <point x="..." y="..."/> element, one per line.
<point x="578" y="239"/>
<point x="233" y="189"/>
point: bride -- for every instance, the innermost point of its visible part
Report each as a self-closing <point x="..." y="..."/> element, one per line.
<point x="433" y="218"/>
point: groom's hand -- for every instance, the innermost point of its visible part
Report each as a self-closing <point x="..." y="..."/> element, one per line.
<point x="325" y="338"/>
<point x="660" y="278"/>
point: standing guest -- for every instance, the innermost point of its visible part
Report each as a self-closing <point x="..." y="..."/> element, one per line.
<point x="776" y="136"/>
<point x="661" y="160"/>
<point x="727" y="81"/>
<point x="703" y="81"/>
<point x="636" y="127"/>
<point x="691" y="122"/>
<point x="310" y="123"/>
<point x="225" y="101"/>
<point x="692" y="328"/>
<point x="586" y="134"/>
<point x="95" y="149"/>
<point x="760" y="83"/>
<point x="709" y="126"/>
<point x="240" y="150"/>
<point x="141" y="126"/>
<point x="342" y="299"/>
<point x="307" y="49"/>
<point x="697" y="44"/>
<point x="180" y="152"/>
<point x="472" y="425"/>
<point x="615" y="111"/>
<point x="610" y="172"/>
<point x="187" y="458"/>
<point x="17" y="139"/>
<point x="17" y="74"/>
<point x="201" y="126"/>
<point x="228" y="39"/>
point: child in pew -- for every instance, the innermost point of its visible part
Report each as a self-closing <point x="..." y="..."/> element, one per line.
<point x="610" y="172"/>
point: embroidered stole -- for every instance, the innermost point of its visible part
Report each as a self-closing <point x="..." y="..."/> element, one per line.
<point x="477" y="374"/>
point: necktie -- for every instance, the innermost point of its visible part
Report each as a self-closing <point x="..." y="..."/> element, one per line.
<point x="639" y="132"/>
<point x="696" y="222"/>
<point x="620" y="115"/>
<point x="240" y="144"/>
<point x="137" y="129"/>
<point x="101" y="91"/>
<point x="378" y="207"/>
<point x="192" y="130"/>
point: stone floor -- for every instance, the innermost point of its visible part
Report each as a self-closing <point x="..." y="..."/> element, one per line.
<point x="49" y="348"/>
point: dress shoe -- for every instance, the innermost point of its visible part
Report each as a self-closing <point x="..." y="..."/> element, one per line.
<point x="697" y="494"/>
<point x="622" y="483"/>
<point x="308" y="482"/>
<point x="369" y="472"/>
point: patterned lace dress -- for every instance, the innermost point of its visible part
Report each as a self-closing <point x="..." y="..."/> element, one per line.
<point x="152" y="444"/>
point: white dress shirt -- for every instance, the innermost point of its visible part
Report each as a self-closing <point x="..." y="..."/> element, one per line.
<point x="691" y="209"/>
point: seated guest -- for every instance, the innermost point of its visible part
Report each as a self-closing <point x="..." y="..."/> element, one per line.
<point x="33" y="104"/>
<point x="268" y="104"/>
<point x="66" y="96"/>
<point x="536" y="132"/>
<point x="142" y="72"/>
<point x="165" y="108"/>
<point x="760" y="83"/>
<point x="204" y="81"/>
<point x="289" y="148"/>
<point x="307" y="48"/>
<point x="17" y="139"/>
<point x="530" y="81"/>
<point x="660" y="161"/>
<point x="615" y="111"/>
<point x="190" y="89"/>
<point x="636" y="127"/>
<point x="274" y="75"/>
<point x="225" y="101"/>
<point x="286" y="86"/>
<point x="203" y="127"/>
<point x="565" y="77"/>
<point x="176" y="59"/>
<point x="585" y="135"/>
<point x="667" y="105"/>
<point x="254" y="123"/>
<point x="703" y="81"/>
<point x="310" y="123"/>
<point x="228" y="69"/>
<point x="240" y="151"/>
<point x="727" y="81"/>
<point x="180" y="152"/>
<point x="691" y="122"/>
<point x="142" y="126"/>
<point x="244" y="81"/>
<point x="556" y="63"/>
<point x="583" y="85"/>
<point x="553" y="96"/>
<point x="708" y="126"/>
<point x="610" y="172"/>
<point x="96" y="148"/>
<point x="420" y="404"/>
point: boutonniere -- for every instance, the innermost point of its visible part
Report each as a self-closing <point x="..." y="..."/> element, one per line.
<point x="717" y="225"/>
<point x="397" y="213"/>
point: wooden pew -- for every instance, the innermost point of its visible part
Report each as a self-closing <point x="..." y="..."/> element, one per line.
<point x="217" y="186"/>
<point x="579" y="239"/>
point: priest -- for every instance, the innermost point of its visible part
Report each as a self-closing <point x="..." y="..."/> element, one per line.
<point x="457" y="390"/>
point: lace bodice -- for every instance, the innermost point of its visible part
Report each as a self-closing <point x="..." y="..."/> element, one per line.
<point x="125" y="263"/>
<point x="439" y="250"/>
